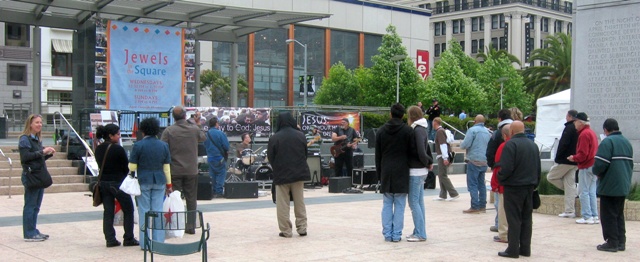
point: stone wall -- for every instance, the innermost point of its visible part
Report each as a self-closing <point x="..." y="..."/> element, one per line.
<point x="554" y="205"/>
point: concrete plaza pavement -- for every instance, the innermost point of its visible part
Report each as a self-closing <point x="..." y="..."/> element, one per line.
<point x="341" y="227"/>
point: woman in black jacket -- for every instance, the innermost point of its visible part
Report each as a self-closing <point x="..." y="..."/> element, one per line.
<point x="114" y="171"/>
<point x="32" y="157"/>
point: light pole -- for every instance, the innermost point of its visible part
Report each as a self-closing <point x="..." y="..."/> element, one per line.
<point x="501" y="80"/>
<point x="304" y="78"/>
<point x="398" y="59"/>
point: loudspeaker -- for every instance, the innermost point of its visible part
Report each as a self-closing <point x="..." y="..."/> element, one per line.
<point x="205" y="190"/>
<point x="243" y="189"/>
<point x="364" y="176"/>
<point x="315" y="168"/>
<point x="337" y="184"/>
<point x="358" y="159"/>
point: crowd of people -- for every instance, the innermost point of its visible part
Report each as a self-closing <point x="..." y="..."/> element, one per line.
<point x="403" y="158"/>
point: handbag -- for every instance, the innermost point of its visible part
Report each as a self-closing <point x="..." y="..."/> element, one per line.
<point x="130" y="185"/>
<point x="536" y="199"/>
<point x="452" y="156"/>
<point x="97" y="197"/>
<point x="37" y="179"/>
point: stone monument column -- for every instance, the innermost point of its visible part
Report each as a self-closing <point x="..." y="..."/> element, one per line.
<point x="605" y="79"/>
<point x="515" y="31"/>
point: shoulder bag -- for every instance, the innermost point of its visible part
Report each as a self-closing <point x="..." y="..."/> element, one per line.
<point x="97" y="198"/>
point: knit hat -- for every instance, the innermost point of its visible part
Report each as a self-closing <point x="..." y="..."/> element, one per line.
<point x="582" y="116"/>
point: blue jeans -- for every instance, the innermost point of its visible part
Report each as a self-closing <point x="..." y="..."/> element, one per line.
<point x="393" y="205"/>
<point x="587" y="188"/>
<point x="476" y="186"/>
<point x="416" y="203"/>
<point x="150" y="199"/>
<point x="496" y="204"/>
<point x="431" y="132"/>
<point x="218" y="174"/>
<point x="32" y="201"/>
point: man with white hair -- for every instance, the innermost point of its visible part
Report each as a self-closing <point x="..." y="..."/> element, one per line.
<point x="585" y="158"/>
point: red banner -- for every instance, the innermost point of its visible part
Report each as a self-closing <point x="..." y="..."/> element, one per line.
<point x="422" y="63"/>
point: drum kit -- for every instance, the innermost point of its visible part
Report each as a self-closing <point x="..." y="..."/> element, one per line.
<point x="251" y="166"/>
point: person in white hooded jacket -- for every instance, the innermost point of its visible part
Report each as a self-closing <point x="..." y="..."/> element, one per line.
<point x="420" y="162"/>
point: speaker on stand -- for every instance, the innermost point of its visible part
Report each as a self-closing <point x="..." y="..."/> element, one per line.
<point x="315" y="168"/>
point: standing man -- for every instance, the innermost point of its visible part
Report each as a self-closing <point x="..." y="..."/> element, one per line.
<point x="504" y="115"/>
<point x="393" y="148"/>
<point x="585" y="158"/>
<point x="614" y="168"/>
<point x="217" y="146"/>
<point x="562" y="173"/>
<point x="442" y="155"/>
<point x="183" y="138"/>
<point x="313" y="141"/>
<point x="433" y="112"/>
<point x="288" y="156"/>
<point x="462" y="115"/>
<point x="344" y="136"/>
<point x="520" y="175"/>
<point x="475" y="142"/>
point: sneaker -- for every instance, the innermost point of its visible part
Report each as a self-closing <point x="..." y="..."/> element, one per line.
<point x="607" y="247"/>
<point x="113" y="243"/>
<point x="45" y="236"/>
<point x="36" y="238"/>
<point x="413" y="238"/>
<point x="499" y="240"/>
<point x="567" y="215"/>
<point x="585" y="221"/>
<point x="130" y="243"/>
<point x="471" y="211"/>
<point x="596" y="220"/>
<point x="453" y="198"/>
<point x="439" y="199"/>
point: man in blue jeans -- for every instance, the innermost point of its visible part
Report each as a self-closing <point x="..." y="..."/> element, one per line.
<point x="475" y="142"/>
<point x="217" y="146"/>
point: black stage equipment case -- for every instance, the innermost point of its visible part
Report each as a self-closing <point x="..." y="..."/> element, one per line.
<point x="364" y="176"/>
<point x="242" y="189"/>
<point x="205" y="192"/>
<point x="338" y="184"/>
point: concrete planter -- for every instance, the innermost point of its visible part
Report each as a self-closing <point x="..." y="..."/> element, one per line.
<point x="554" y="205"/>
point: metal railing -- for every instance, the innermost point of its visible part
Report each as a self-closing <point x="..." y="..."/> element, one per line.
<point x="10" y="170"/>
<point x="88" y="149"/>
<point x="454" y="129"/>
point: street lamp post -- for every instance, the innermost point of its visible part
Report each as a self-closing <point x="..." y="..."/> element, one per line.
<point x="304" y="78"/>
<point x="398" y="59"/>
<point x="501" y="80"/>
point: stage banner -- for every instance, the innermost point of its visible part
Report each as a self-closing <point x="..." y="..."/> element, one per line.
<point x="234" y="121"/>
<point x="328" y="121"/>
<point x="145" y="66"/>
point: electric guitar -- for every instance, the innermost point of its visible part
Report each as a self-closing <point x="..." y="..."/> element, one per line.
<point x="315" y="139"/>
<point x="339" y="148"/>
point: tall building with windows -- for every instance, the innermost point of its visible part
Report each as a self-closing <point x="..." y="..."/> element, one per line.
<point x="518" y="26"/>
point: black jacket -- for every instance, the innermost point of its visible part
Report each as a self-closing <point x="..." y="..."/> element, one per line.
<point x="567" y="144"/>
<point x="420" y="150"/>
<point x="519" y="162"/>
<point x="393" y="148"/>
<point x="494" y="143"/>
<point x="288" y="152"/>
<point x="116" y="166"/>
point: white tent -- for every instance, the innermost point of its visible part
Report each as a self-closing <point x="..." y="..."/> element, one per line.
<point x="550" y="118"/>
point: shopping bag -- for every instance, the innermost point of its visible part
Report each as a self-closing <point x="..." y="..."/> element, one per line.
<point x="136" y="216"/>
<point x="171" y="219"/>
<point x="118" y="217"/>
<point x="130" y="185"/>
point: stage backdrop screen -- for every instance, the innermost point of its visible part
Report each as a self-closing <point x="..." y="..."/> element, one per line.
<point x="145" y="66"/>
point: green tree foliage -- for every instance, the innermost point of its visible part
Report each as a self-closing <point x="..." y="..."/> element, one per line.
<point x="454" y="90"/>
<point x="340" y="88"/>
<point x="469" y="65"/>
<point x="554" y="75"/>
<point x="379" y="89"/>
<point x="514" y="93"/>
<point x="492" y="53"/>
<point x="218" y="87"/>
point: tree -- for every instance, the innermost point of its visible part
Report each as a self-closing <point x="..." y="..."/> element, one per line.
<point x="380" y="86"/>
<point x="469" y="65"/>
<point x="340" y="88"/>
<point x="492" y="53"/>
<point x="218" y="87"/>
<point x="514" y="93"/>
<point x="554" y="75"/>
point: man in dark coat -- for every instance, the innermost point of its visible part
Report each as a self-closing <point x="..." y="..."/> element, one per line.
<point x="562" y="174"/>
<point x="520" y="175"/>
<point x="288" y="157"/>
<point x="393" y="148"/>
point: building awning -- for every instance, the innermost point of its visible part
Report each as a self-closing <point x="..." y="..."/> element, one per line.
<point x="62" y="46"/>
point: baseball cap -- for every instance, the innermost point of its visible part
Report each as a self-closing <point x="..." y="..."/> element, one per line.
<point x="582" y="116"/>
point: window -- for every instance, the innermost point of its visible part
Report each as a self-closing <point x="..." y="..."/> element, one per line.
<point x="481" y="23"/>
<point x="544" y="24"/>
<point x="371" y="45"/>
<point x="495" y="19"/>
<point x="494" y="43"/>
<point x="16" y="74"/>
<point x="502" y="21"/>
<point x="444" y="28"/>
<point x="16" y="35"/>
<point x="568" y="7"/>
<point x="532" y="19"/>
<point x="503" y="43"/>
<point x="457" y="5"/>
<point x="436" y="31"/>
<point x="569" y="28"/>
<point x="345" y="48"/>
<point x="444" y="47"/>
<point x="474" y="46"/>
<point x="456" y="26"/>
<point x="462" y="45"/>
<point x="60" y="63"/>
<point x="476" y="3"/>
<point x="59" y="96"/>
<point x="436" y="50"/>
<point x="481" y="45"/>
<point x="462" y="26"/>
<point x="558" y="27"/>
<point x="474" y="24"/>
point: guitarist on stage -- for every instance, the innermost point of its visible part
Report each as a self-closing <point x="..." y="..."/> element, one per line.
<point x="344" y="136"/>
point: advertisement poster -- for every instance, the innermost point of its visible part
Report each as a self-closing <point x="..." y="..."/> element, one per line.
<point x="145" y="66"/>
<point x="328" y="121"/>
<point x="234" y="121"/>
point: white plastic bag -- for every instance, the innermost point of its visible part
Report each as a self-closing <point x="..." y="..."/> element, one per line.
<point x="118" y="217"/>
<point x="130" y="185"/>
<point x="450" y="137"/>
<point x="136" y="216"/>
<point x="173" y="203"/>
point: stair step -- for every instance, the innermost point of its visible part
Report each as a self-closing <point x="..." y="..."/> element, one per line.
<point x="51" y="163"/>
<point x="55" y="188"/>
<point x="56" y="171"/>
<point x="16" y="156"/>
<point x="62" y="179"/>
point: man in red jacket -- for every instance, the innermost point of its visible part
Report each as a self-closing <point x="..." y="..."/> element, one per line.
<point x="499" y="189"/>
<point x="585" y="158"/>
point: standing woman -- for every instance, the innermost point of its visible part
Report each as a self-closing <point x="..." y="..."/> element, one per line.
<point x="420" y="162"/>
<point x="114" y="171"/>
<point x="32" y="157"/>
<point x="151" y="157"/>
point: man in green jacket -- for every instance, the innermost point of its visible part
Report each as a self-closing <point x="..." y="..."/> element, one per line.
<point x="614" y="168"/>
